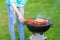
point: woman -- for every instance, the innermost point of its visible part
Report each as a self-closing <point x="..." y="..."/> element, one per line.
<point x="16" y="7"/>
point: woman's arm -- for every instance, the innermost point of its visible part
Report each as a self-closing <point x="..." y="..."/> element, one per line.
<point x="21" y="18"/>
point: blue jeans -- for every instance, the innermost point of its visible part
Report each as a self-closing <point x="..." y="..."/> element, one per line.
<point x="12" y="20"/>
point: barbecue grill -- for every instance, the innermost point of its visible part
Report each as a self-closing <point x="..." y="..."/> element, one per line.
<point x="38" y="31"/>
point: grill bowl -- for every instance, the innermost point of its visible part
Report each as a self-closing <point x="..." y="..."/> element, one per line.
<point x="38" y="29"/>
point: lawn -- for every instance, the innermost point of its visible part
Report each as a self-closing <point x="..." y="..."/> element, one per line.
<point x="49" y="9"/>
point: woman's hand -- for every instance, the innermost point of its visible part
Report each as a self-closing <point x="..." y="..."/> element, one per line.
<point x="21" y="18"/>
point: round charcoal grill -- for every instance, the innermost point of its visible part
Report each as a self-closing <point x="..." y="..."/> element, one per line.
<point x="39" y="29"/>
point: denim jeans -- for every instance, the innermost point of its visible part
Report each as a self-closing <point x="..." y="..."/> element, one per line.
<point x="12" y="20"/>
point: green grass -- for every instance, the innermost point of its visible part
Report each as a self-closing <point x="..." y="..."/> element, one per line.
<point x="43" y="8"/>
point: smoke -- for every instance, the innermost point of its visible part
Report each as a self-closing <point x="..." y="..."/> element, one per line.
<point x="42" y="16"/>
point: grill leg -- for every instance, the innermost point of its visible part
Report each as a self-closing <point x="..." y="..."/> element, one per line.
<point x="37" y="36"/>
